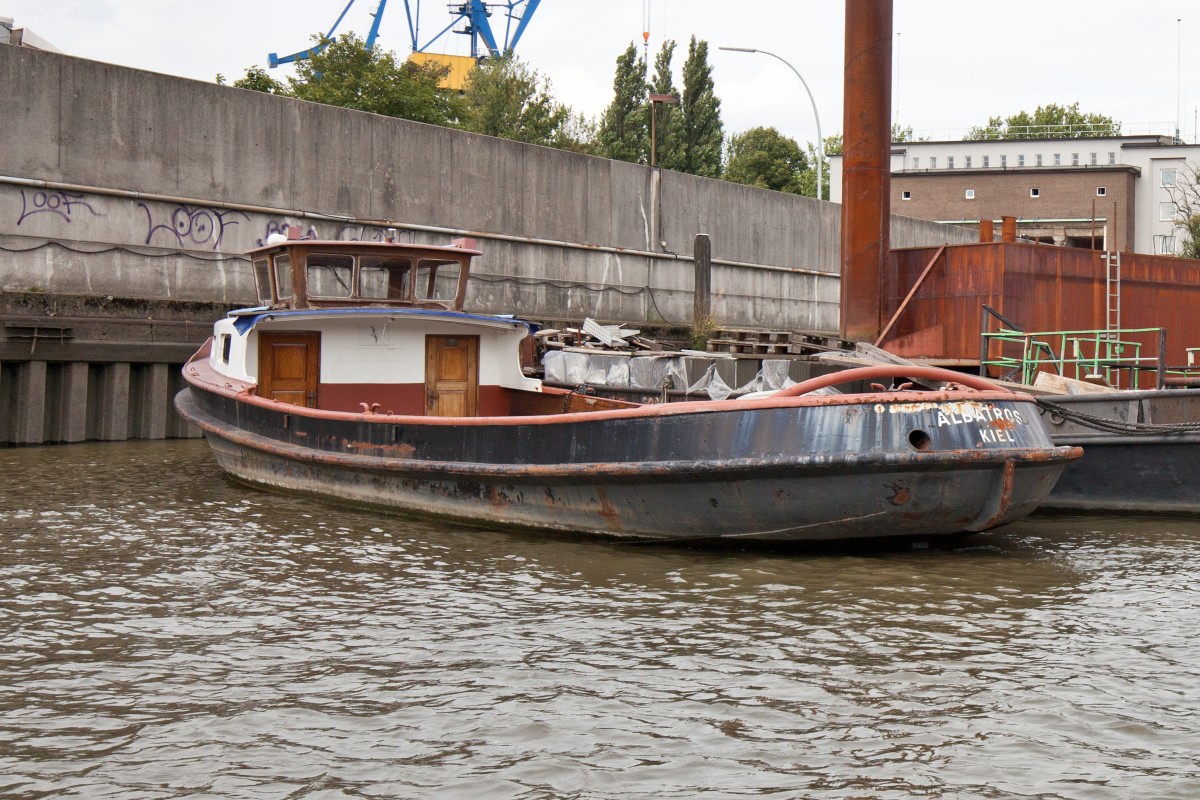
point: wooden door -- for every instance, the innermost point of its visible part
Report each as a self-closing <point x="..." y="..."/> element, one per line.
<point x="451" y="376"/>
<point x="289" y="367"/>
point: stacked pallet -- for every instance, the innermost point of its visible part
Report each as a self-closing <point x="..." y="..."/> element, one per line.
<point x="760" y="342"/>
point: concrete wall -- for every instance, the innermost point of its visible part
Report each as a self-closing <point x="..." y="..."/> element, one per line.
<point x="172" y="179"/>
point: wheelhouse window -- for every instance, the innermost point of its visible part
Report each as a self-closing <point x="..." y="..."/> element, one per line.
<point x="329" y="275"/>
<point x="382" y="278"/>
<point x="226" y="347"/>
<point x="262" y="280"/>
<point x="437" y="280"/>
<point x="283" y="276"/>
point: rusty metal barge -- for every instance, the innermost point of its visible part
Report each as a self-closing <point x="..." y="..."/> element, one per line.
<point x="360" y="379"/>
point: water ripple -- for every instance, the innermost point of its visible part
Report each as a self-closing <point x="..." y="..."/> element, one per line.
<point x="170" y="634"/>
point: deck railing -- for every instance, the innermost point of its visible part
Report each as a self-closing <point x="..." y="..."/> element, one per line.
<point x="1125" y="358"/>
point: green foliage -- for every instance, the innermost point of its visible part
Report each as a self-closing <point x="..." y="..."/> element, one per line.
<point x="1185" y="194"/>
<point x="665" y="128"/>
<point x="506" y="98"/>
<point x="701" y="331"/>
<point x="765" y="158"/>
<point x="347" y="74"/>
<point x="624" y="132"/>
<point x="1189" y="246"/>
<point x="701" y="132"/>
<point x="256" y="79"/>
<point x="1047" y="122"/>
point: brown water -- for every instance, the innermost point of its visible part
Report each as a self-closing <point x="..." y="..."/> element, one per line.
<point x="166" y="633"/>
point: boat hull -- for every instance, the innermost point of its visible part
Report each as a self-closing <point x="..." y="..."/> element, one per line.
<point x="652" y="478"/>
<point x="1145" y="472"/>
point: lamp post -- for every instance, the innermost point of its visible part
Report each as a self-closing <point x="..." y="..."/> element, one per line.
<point x="820" y="141"/>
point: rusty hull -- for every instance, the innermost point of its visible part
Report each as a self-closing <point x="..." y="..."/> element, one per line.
<point x="882" y="464"/>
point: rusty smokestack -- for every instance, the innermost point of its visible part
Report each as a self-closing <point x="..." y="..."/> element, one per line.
<point x="866" y="166"/>
<point x="1008" y="229"/>
<point x="987" y="230"/>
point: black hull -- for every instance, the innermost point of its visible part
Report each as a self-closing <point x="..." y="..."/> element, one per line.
<point x="1130" y="472"/>
<point x="800" y="473"/>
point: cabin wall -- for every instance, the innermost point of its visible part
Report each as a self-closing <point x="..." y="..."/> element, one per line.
<point x="382" y="360"/>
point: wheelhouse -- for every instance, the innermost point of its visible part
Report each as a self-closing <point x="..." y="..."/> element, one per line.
<point x="307" y="273"/>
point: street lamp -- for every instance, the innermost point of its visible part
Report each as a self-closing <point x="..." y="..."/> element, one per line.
<point x="655" y="99"/>
<point x="820" y="141"/>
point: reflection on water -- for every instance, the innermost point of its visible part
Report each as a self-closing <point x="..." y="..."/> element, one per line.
<point x="168" y="633"/>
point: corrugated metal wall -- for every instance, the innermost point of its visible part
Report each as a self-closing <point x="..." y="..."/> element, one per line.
<point x="1039" y="288"/>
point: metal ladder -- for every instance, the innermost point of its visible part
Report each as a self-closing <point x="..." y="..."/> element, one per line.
<point x="1112" y="279"/>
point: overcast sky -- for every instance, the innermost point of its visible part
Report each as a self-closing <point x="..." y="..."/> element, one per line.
<point x="956" y="62"/>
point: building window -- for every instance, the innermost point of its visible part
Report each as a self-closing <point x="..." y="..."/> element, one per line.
<point x="969" y="194"/>
<point x="1167" y="177"/>
<point x="1035" y="192"/>
<point x="1058" y="159"/>
<point x="1094" y="161"/>
<point x="1074" y="159"/>
<point x="916" y="162"/>
<point x="933" y="162"/>
<point x="1166" y="212"/>
<point x="986" y="161"/>
<point x="1038" y="159"/>
<point x="1020" y="159"/>
<point x="949" y="162"/>
<point x="1003" y="162"/>
<point x="1101" y="191"/>
<point x="967" y="160"/>
<point x="1112" y="157"/>
<point x="906" y="195"/>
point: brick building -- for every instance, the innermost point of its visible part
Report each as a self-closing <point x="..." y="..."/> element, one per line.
<point x="1110" y="193"/>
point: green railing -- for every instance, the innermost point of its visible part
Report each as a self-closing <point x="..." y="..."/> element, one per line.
<point x="1114" y="357"/>
<point x="1125" y="358"/>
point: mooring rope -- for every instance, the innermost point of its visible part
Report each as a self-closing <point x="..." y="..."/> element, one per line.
<point x="1116" y="426"/>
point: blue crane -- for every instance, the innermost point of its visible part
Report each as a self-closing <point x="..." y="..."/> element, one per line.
<point x="475" y="13"/>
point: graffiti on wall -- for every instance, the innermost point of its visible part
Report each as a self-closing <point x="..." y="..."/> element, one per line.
<point x="61" y="204"/>
<point x="281" y="227"/>
<point x="190" y="225"/>
<point x="179" y="225"/>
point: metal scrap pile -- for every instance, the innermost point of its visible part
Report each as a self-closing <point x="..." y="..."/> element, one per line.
<point x="594" y="336"/>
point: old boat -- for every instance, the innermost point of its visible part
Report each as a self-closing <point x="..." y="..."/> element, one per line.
<point x="360" y="379"/>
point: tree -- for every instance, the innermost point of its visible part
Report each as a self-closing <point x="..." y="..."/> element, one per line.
<point x="808" y="179"/>
<point x="665" y="127"/>
<point x="346" y="73"/>
<point x="507" y="99"/>
<point x="701" y="133"/>
<point x="1047" y="122"/>
<point x="1185" y="194"/>
<point x="624" y="126"/>
<point x="765" y="158"/>
<point x="256" y="79"/>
